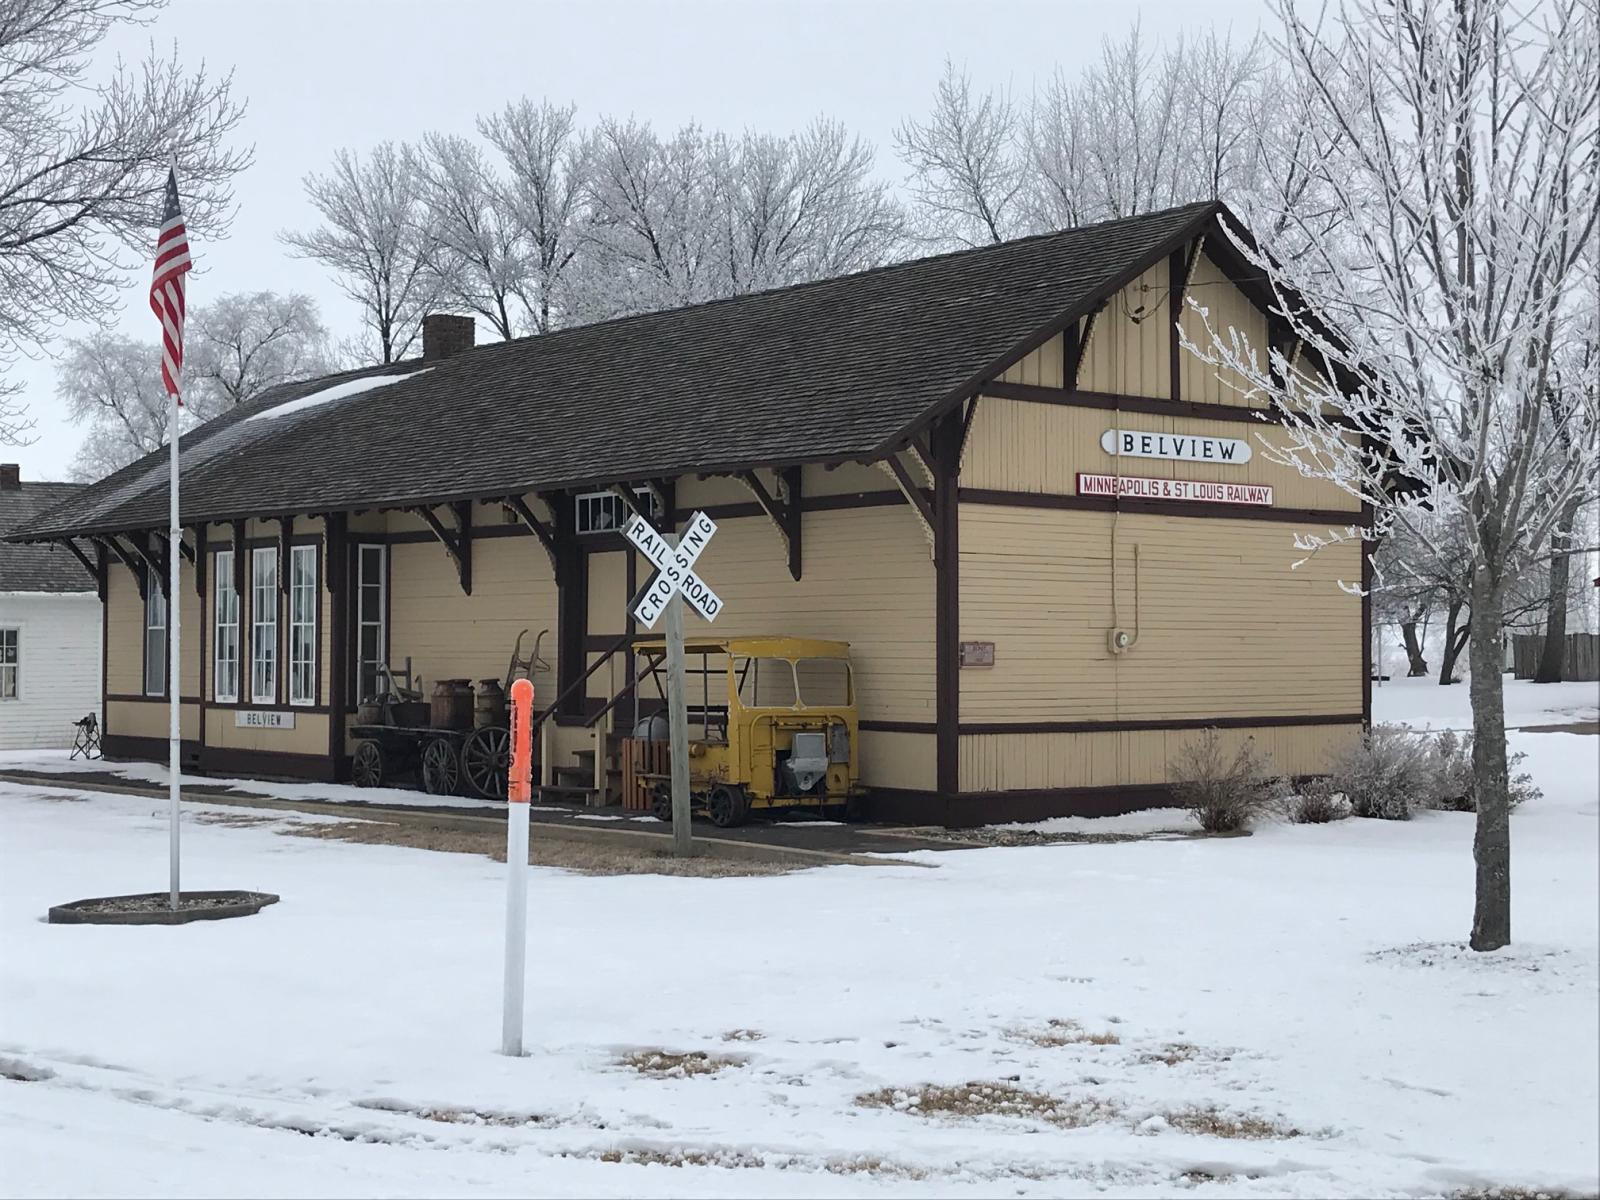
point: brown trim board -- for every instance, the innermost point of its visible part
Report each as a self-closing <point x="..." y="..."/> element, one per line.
<point x="1167" y="723"/>
<point x="1156" y="406"/>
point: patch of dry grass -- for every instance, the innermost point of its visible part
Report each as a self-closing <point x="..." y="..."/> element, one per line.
<point x="987" y="1099"/>
<point x="458" y="1116"/>
<point x="1173" y="1053"/>
<point x="1058" y="1032"/>
<point x="234" y="820"/>
<point x="1212" y="1122"/>
<point x="863" y="1164"/>
<point x="671" y="1064"/>
<point x="586" y="858"/>
<point x="743" y="1035"/>
<point x="1516" y="1192"/>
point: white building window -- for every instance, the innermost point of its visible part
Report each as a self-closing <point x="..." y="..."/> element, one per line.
<point x="10" y="662"/>
<point x="264" y="625"/>
<point x="225" y="630"/>
<point x="155" y="637"/>
<point x="372" y="616"/>
<point x="604" y="512"/>
<point x="303" y="625"/>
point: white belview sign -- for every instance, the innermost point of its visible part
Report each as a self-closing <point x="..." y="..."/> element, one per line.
<point x="256" y="718"/>
<point x="1134" y="443"/>
<point x="673" y="569"/>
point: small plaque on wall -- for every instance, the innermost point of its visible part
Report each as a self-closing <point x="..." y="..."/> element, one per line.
<point x="977" y="654"/>
<point x="260" y="718"/>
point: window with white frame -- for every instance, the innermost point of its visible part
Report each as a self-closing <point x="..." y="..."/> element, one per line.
<point x="372" y="615"/>
<point x="264" y="625"/>
<point x="303" y="625"/>
<point x="604" y="512"/>
<point x="10" y="663"/>
<point x="155" y="637"/>
<point x="225" y="630"/>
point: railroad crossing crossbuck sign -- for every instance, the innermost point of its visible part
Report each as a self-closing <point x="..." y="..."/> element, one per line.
<point x="674" y="573"/>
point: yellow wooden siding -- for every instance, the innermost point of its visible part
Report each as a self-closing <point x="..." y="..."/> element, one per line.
<point x="450" y="635"/>
<point x="124" y="633"/>
<point x="1022" y="446"/>
<point x="992" y="762"/>
<point x="309" y="735"/>
<point x="898" y="760"/>
<point x="1227" y="627"/>
<point x="1229" y="311"/>
<point x="148" y="719"/>
<point x="843" y="479"/>
<point x="1042" y="367"/>
<point x="1133" y="358"/>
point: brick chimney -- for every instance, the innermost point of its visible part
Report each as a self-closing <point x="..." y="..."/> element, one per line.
<point x="444" y="334"/>
<point x="10" y="477"/>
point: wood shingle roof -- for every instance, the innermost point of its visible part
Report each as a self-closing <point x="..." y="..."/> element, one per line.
<point x="826" y="371"/>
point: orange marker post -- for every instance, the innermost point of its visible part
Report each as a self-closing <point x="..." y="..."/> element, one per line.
<point x="519" y="789"/>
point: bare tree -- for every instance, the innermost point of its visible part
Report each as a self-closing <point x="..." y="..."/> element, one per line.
<point x="379" y="239"/>
<point x="1580" y="375"/>
<point x="239" y="345"/>
<point x="82" y="168"/>
<point x="482" y="258"/>
<point x="112" y="384"/>
<point x="547" y="160"/>
<point x="968" y="164"/>
<point x="803" y="207"/>
<point x="1469" y="149"/>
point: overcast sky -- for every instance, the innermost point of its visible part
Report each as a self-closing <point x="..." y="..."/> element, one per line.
<point x="320" y="74"/>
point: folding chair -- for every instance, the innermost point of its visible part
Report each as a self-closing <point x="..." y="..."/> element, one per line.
<point x="87" y="741"/>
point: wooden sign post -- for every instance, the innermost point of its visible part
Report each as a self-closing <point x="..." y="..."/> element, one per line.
<point x="663" y="594"/>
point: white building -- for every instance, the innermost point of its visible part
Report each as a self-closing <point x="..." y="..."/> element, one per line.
<point x="50" y="643"/>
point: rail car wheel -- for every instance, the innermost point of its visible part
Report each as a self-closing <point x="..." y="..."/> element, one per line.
<point x="486" y="761"/>
<point x="727" y="805"/>
<point x="367" y="768"/>
<point x="441" y="770"/>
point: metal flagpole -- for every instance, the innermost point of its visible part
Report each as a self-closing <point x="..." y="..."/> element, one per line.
<point x="174" y="680"/>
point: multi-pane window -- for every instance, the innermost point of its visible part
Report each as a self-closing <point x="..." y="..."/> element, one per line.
<point x="155" y="638"/>
<point x="225" y="630"/>
<point x="264" y="625"/>
<point x="10" y="662"/>
<point x="371" y="616"/>
<point x="603" y="512"/>
<point x="303" y="625"/>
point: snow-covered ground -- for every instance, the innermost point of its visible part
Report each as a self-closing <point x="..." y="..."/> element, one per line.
<point x="1423" y="704"/>
<point x="1308" y="978"/>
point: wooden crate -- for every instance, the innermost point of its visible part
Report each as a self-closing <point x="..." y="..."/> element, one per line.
<point x="642" y="759"/>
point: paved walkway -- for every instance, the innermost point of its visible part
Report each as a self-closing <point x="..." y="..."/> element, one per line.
<point x="796" y="834"/>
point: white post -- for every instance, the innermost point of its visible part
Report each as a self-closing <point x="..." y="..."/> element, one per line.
<point x="678" y="728"/>
<point x="519" y="787"/>
<point x="174" y="680"/>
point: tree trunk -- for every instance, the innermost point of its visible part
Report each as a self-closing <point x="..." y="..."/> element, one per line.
<point x="1454" y="639"/>
<point x="1419" y="664"/>
<point x="1491" y="845"/>
<point x="1553" y="655"/>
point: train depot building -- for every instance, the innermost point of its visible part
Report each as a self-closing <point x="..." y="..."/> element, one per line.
<point x="1050" y="537"/>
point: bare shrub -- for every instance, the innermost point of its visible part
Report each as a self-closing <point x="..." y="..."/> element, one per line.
<point x="1387" y="774"/>
<point x="1317" y="803"/>
<point x="1223" y="793"/>
<point x="1455" y="786"/>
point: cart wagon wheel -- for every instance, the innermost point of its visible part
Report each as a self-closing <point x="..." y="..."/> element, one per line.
<point x="727" y="805"/>
<point x="661" y="802"/>
<point x="441" y="772"/>
<point x="485" y="760"/>
<point x="367" y="769"/>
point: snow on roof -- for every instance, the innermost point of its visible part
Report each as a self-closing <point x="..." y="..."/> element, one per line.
<point x="338" y="391"/>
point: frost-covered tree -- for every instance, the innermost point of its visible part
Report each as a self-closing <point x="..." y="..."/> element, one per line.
<point x="482" y="257"/>
<point x="968" y="164"/>
<point x="548" y="167"/>
<point x="112" y="385"/>
<point x="239" y="345"/>
<point x="83" y="166"/>
<point x="380" y="240"/>
<point x="1468" y="147"/>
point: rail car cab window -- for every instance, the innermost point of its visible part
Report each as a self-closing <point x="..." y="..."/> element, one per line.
<point x="765" y="682"/>
<point x="604" y="512"/>
<point x="824" y="682"/>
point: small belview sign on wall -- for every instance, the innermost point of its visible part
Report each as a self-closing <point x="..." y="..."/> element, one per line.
<point x="1134" y="443"/>
<point x="262" y="718"/>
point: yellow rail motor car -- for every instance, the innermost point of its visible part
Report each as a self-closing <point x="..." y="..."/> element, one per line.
<point x="772" y="724"/>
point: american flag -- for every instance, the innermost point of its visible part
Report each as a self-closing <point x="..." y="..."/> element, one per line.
<point x="166" y="286"/>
